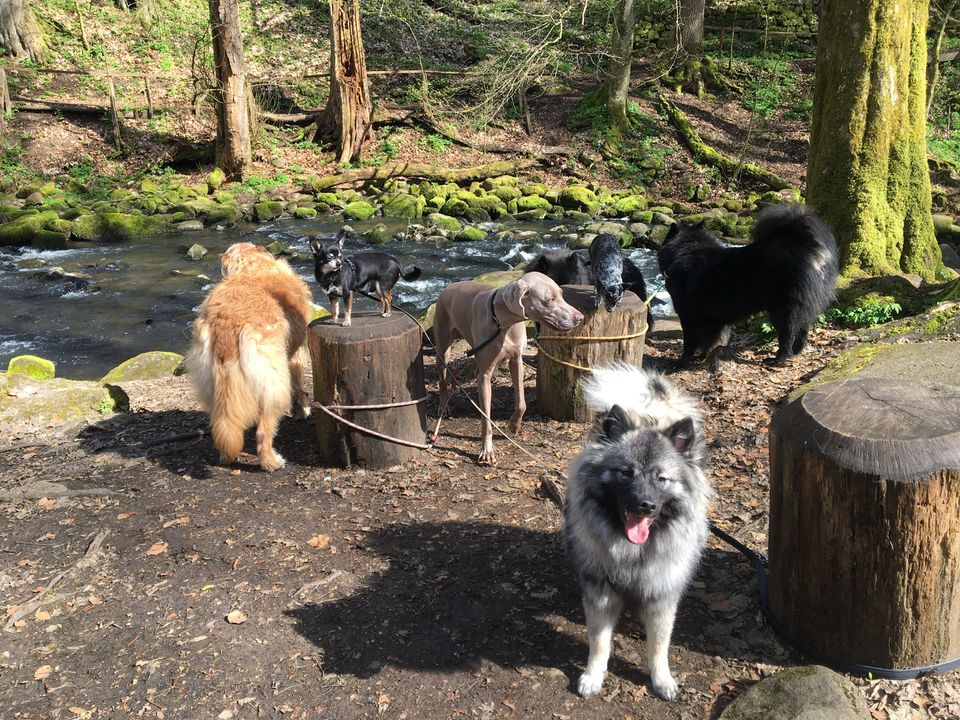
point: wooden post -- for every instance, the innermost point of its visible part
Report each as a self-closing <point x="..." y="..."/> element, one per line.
<point x="5" y="105"/>
<point x="146" y="83"/>
<point x="83" y="27"/>
<point x="114" y="118"/>
<point x="526" y="110"/>
<point x="865" y="521"/>
<point x="602" y="338"/>
<point x="375" y="361"/>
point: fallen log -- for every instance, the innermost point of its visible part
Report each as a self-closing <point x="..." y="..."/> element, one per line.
<point x="424" y="171"/>
<point x="706" y="154"/>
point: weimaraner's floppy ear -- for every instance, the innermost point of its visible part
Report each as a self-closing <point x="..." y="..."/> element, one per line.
<point x="512" y="296"/>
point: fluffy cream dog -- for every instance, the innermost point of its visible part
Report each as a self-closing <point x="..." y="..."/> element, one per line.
<point x="248" y="353"/>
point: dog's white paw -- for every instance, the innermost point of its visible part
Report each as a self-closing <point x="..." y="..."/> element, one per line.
<point x="275" y="463"/>
<point x="590" y="684"/>
<point x="346" y="323"/>
<point x="665" y="686"/>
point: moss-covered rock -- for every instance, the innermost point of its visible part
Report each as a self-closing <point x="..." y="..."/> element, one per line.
<point x="39" y="228"/>
<point x="215" y="180"/>
<point x="506" y="194"/>
<point x="470" y="234"/>
<point x="54" y="401"/>
<point x="267" y="210"/>
<point x="577" y="197"/>
<point x="454" y="207"/>
<point x="32" y="366"/>
<point x="305" y="213"/>
<point x="379" y="234"/>
<point x="403" y="205"/>
<point x="146" y="366"/>
<point x="533" y="202"/>
<point x="197" y="252"/>
<point x="149" y="185"/>
<point x="812" y="692"/>
<point x="477" y="215"/>
<point x="120" y="226"/>
<point x="620" y="232"/>
<point x="444" y="222"/>
<point x="222" y="215"/>
<point x="631" y="204"/>
<point x="358" y="210"/>
<point x="534" y="189"/>
<point x="498" y="278"/>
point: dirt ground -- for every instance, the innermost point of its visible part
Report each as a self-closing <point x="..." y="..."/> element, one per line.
<point x="159" y="584"/>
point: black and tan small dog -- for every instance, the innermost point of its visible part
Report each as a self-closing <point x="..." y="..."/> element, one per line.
<point x="341" y="276"/>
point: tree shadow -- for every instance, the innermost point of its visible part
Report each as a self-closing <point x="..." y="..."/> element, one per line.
<point x="456" y="595"/>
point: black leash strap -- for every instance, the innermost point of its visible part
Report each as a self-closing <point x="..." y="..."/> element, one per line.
<point x="496" y="321"/>
<point x="759" y="563"/>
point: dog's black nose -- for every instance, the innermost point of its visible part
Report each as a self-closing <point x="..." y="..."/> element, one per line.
<point x="647" y="507"/>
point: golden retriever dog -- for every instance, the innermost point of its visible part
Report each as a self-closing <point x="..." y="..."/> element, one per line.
<point x="248" y="353"/>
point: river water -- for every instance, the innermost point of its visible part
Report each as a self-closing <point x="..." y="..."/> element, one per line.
<point x="118" y="301"/>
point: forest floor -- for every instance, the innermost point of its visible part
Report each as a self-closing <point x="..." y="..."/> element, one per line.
<point x="158" y="583"/>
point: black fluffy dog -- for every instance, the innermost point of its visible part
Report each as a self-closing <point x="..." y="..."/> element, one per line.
<point x="789" y="269"/>
<point x="368" y="272"/>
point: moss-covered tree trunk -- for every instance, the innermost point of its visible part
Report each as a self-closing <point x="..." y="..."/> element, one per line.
<point x="233" y="118"/>
<point x="867" y="173"/>
<point x="690" y="44"/>
<point x="19" y="33"/>
<point x="616" y="85"/>
<point x="348" y="113"/>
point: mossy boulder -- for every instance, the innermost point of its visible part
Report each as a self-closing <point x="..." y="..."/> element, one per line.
<point x="222" y="215"/>
<point x="477" y="215"/>
<point x="32" y="366"/>
<point x="358" y="210"/>
<point x="534" y="189"/>
<point x="34" y="229"/>
<point x="810" y="692"/>
<point x="444" y="223"/>
<point x="577" y="197"/>
<point x="533" y="202"/>
<point x="946" y="229"/>
<point x="620" y="232"/>
<point x="508" y="180"/>
<point x="506" y="194"/>
<point x="267" y="210"/>
<point x="403" y="205"/>
<point x="149" y="185"/>
<point x="305" y="213"/>
<point x="118" y="194"/>
<point x="215" y="180"/>
<point x="197" y="252"/>
<point x="470" y="234"/>
<point x="54" y="401"/>
<point x="454" y="207"/>
<point x="146" y="366"/>
<point x="631" y="204"/>
<point x="120" y="226"/>
<point x="379" y="234"/>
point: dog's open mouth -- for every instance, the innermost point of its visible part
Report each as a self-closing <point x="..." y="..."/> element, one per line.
<point x="637" y="527"/>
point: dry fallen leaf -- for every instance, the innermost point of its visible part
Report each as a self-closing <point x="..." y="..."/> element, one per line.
<point x="46" y="504"/>
<point x="158" y="548"/>
<point x="125" y="516"/>
<point x="42" y="672"/>
<point x="94" y="600"/>
<point x="41" y="616"/>
<point x="319" y="542"/>
<point x="236" y="617"/>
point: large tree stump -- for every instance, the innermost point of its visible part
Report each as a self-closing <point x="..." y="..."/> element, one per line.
<point x="602" y="338"/>
<point x="865" y="521"/>
<point x="375" y="361"/>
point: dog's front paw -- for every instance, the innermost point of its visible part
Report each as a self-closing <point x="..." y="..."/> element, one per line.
<point x="273" y="463"/>
<point x="487" y="457"/>
<point x="665" y="686"/>
<point x="346" y="323"/>
<point x="590" y="684"/>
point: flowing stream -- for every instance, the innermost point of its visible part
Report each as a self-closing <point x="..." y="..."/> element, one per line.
<point x="90" y="307"/>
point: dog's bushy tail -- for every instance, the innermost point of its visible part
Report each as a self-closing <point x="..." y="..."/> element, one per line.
<point x="236" y="391"/>
<point x="412" y="274"/>
<point x="798" y="232"/>
<point x="650" y="399"/>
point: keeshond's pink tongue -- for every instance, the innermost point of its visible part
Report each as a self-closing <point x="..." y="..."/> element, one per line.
<point x="637" y="527"/>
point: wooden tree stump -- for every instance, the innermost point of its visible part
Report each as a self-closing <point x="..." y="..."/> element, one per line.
<point x="602" y="338"/>
<point x="865" y="521"/>
<point x="375" y="361"/>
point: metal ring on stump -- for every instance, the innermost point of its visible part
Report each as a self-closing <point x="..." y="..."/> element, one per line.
<point x="865" y="522"/>
<point x="376" y="362"/>
<point x="603" y="338"/>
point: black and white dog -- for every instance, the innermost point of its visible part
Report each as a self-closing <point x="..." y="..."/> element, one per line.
<point x="606" y="261"/>
<point x="636" y="513"/>
<point x="341" y="276"/>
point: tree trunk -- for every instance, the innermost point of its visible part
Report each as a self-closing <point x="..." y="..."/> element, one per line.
<point x="690" y="44"/>
<point x="374" y="361"/>
<point x="933" y="62"/>
<point x="348" y="113"/>
<point x="867" y="173"/>
<point x="616" y="86"/>
<point x="233" y="118"/>
<point x="865" y="521"/>
<point x="19" y="33"/>
<point x="603" y="338"/>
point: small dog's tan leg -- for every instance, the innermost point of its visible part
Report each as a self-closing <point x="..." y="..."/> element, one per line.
<point x="301" y="401"/>
<point x="335" y="307"/>
<point x="387" y="303"/>
<point x="348" y="312"/>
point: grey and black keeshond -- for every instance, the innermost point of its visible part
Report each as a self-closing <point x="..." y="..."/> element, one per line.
<point x="636" y="512"/>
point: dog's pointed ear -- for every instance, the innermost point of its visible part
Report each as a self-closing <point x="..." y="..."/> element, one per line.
<point x="341" y="236"/>
<point x="700" y="225"/>
<point x="315" y="245"/>
<point x="672" y="232"/>
<point x="682" y="434"/>
<point x="512" y="296"/>
<point x="615" y="424"/>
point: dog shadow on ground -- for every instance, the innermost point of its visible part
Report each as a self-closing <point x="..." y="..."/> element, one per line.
<point x="456" y="595"/>
<point x="179" y="441"/>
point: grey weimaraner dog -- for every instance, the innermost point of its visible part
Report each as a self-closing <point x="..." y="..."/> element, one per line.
<point x="492" y="321"/>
